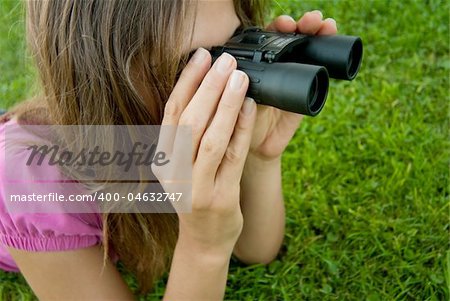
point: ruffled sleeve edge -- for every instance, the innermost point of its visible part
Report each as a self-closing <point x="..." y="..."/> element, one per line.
<point x="48" y="244"/>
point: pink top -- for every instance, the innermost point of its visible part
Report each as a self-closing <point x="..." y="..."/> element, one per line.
<point x="40" y="231"/>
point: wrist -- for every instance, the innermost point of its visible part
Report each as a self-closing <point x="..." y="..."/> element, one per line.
<point x="258" y="164"/>
<point x="196" y="274"/>
<point x="198" y="252"/>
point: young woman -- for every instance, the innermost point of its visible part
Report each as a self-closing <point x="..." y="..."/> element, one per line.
<point x="117" y="62"/>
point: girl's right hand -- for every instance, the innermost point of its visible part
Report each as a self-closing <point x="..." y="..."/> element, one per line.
<point x="211" y="101"/>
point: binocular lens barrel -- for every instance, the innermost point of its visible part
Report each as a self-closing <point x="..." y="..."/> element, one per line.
<point x="291" y="87"/>
<point x="341" y="55"/>
<point x="292" y="72"/>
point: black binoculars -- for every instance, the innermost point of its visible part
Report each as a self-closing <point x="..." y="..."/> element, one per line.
<point x="291" y="71"/>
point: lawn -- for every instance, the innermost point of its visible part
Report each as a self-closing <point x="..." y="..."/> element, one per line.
<point x="365" y="182"/>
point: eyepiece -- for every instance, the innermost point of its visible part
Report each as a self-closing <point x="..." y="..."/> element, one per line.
<point x="318" y="92"/>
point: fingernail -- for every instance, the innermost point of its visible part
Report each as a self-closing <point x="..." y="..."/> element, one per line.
<point x="247" y="106"/>
<point x="289" y="17"/>
<point x="318" y="12"/>
<point x="331" y="20"/>
<point x="199" y="56"/>
<point x="237" y="78"/>
<point x="224" y="63"/>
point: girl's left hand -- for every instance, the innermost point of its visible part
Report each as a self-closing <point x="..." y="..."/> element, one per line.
<point x="274" y="128"/>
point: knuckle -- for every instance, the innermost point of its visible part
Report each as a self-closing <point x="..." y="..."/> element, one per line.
<point x="232" y="155"/>
<point x="187" y="71"/>
<point x="194" y="122"/>
<point x="193" y="69"/>
<point x="243" y="125"/>
<point x="172" y="109"/>
<point x="211" y="147"/>
<point x="197" y="130"/>
<point x="213" y="82"/>
<point x="208" y="146"/>
<point x="229" y="105"/>
<point x="212" y="85"/>
<point x="188" y="119"/>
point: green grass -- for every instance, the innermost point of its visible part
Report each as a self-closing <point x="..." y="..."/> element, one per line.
<point x="365" y="182"/>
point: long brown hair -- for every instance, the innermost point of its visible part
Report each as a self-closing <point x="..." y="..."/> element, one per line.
<point x="116" y="62"/>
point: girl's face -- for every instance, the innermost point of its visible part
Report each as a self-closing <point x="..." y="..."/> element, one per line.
<point x="215" y="23"/>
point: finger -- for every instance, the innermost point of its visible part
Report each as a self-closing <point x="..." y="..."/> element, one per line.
<point x="188" y="82"/>
<point x="232" y="165"/>
<point x="310" y="23"/>
<point x="217" y="137"/>
<point x="329" y="27"/>
<point x="184" y="90"/>
<point x="201" y="108"/>
<point x="283" y="23"/>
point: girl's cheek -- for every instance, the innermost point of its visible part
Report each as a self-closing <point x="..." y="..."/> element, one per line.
<point x="215" y="23"/>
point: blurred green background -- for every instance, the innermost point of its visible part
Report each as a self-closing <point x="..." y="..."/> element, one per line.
<point x="365" y="182"/>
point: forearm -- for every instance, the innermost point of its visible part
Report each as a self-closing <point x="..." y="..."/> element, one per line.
<point x="263" y="210"/>
<point x="197" y="274"/>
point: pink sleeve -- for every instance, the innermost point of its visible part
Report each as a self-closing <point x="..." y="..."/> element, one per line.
<point x="48" y="231"/>
<point x="42" y="231"/>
